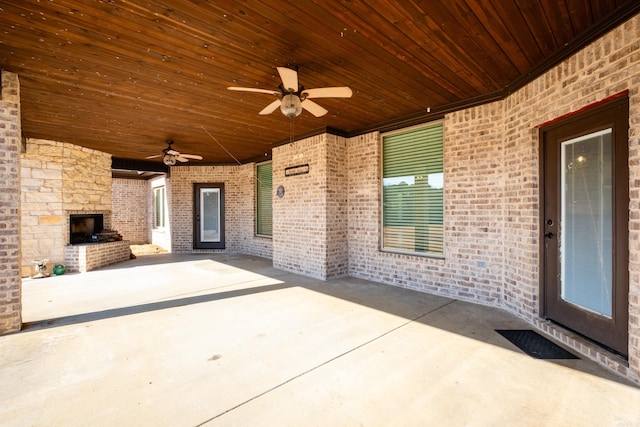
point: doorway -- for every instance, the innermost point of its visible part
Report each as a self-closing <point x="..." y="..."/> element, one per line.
<point x="208" y="216"/>
<point x="585" y="223"/>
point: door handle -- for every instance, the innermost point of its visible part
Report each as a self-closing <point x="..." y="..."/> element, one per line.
<point x="548" y="235"/>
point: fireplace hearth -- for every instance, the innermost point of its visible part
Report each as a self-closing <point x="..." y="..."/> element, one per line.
<point x="92" y="244"/>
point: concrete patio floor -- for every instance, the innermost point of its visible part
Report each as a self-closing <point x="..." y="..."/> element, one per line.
<point x="192" y="340"/>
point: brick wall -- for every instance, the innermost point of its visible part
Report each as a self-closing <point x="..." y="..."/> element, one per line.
<point x="10" y="283"/>
<point x="88" y="257"/>
<point x="239" y="187"/>
<point x="337" y="256"/>
<point x="492" y="194"/>
<point x="300" y="217"/>
<point x="130" y="209"/>
<point x="474" y="198"/>
<point x="520" y="164"/>
<point x="59" y="179"/>
<point x="471" y="268"/>
<point x="364" y="205"/>
<point x="606" y="67"/>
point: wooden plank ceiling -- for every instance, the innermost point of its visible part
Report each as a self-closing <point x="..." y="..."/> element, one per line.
<point x="124" y="76"/>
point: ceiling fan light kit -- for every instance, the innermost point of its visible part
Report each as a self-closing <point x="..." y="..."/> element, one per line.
<point x="291" y="105"/>
<point x="169" y="159"/>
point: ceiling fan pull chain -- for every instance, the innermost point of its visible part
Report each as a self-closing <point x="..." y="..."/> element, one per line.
<point x="292" y="130"/>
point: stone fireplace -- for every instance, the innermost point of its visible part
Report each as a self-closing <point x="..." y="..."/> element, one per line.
<point x="59" y="181"/>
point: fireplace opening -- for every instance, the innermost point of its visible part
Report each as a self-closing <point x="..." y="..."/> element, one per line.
<point x="83" y="228"/>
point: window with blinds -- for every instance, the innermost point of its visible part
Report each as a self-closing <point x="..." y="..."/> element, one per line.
<point x="264" y="192"/>
<point x="412" y="190"/>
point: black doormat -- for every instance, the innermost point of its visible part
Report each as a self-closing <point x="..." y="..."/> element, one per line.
<point x="535" y="345"/>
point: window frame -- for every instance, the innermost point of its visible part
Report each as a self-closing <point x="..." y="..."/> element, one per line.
<point x="258" y="202"/>
<point x="163" y="214"/>
<point x="390" y="249"/>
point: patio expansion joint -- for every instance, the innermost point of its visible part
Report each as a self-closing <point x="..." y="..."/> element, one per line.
<point x="343" y="354"/>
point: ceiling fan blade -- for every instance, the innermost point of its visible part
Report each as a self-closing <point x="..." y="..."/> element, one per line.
<point x="154" y="157"/>
<point x="271" y="107"/>
<point x="328" y="92"/>
<point x="191" y="156"/>
<point x="173" y="152"/>
<point x="181" y="158"/>
<point x="314" y="108"/>
<point x="251" y="89"/>
<point x="289" y="79"/>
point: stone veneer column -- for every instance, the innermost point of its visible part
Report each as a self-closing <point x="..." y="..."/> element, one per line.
<point x="10" y="283"/>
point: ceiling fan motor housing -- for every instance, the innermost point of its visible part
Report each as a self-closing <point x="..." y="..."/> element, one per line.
<point x="291" y="105"/>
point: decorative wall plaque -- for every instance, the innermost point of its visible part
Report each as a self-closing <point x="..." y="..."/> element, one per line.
<point x="296" y="170"/>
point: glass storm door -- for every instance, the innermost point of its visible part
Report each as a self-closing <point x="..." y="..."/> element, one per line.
<point x="585" y="226"/>
<point x="586" y="219"/>
<point x="208" y="219"/>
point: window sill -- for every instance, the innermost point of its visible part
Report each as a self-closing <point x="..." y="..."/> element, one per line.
<point x="432" y="255"/>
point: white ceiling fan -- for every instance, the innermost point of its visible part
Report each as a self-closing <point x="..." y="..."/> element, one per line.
<point x="170" y="156"/>
<point x="293" y="97"/>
